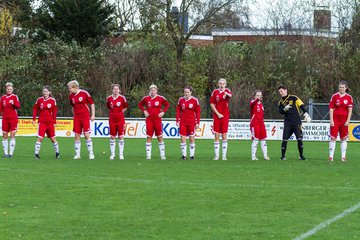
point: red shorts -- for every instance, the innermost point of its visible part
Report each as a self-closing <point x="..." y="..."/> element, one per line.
<point x="81" y="126"/>
<point x="258" y="131"/>
<point x="117" y="128"/>
<point x="187" y="130"/>
<point x="221" y="125"/>
<point x="339" y="128"/>
<point x="47" y="128"/>
<point x="9" y="125"/>
<point x="154" y="126"/>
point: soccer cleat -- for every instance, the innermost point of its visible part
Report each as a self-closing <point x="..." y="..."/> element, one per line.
<point x="112" y="157"/>
<point x="331" y="159"/>
<point x="254" y="159"/>
<point x="283" y="158"/>
<point x="57" y="155"/>
<point x="37" y="156"/>
<point x="267" y="158"/>
<point x="224" y="158"/>
<point x="183" y="157"/>
<point x="91" y="156"/>
<point x="5" y="156"/>
<point x="192" y="158"/>
<point x="343" y="159"/>
<point x="163" y="157"/>
<point x="9" y="155"/>
<point x="77" y="157"/>
<point x="121" y="157"/>
<point x="216" y="158"/>
<point x="148" y="157"/>
<point x="302" y="158"/>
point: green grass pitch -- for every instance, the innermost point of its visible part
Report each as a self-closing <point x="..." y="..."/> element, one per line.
<point x="175" y="199"/>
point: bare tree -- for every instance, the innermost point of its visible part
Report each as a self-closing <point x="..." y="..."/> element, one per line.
<point x="126" y="12"/>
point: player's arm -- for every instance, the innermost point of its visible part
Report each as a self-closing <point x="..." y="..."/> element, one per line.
<point x="54" y="112"/>
<point x="198" y="113"/>
<point x="108" y="105"/>
<point x="125" y="105"/>
<point x="281" y="108"/>
<point x="166" y="105"/>
<point x="92" y="107"/>
<point x="331" y="114"/>
<point x="178" y="112"/>
<point x="16" y="103"/>
<point x="213" y="108"/>
<point x="348" y="116"/>
<point x="228" y="93"/>
<point x="35" y="110"/>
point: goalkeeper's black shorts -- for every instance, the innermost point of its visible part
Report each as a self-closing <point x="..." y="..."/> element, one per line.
<point x="292" y="129"/>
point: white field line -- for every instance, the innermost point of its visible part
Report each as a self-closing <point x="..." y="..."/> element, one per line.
<point x="328" y="222"/>
<point x="171" y="182"/>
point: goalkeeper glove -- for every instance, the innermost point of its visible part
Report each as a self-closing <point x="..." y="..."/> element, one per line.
<point x="307" y="117"/>
<point x="287" y="107"/>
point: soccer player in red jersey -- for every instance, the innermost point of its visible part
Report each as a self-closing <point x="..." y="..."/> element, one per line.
<point x="188" y="119"/>
<point x="8" y="107"/>
<point x="257" y="125"/>
<point x="79" y="100"/>
<point x="47" y="109"/>
<point x="117" y="105"/>
<point x="219" y="103"/>
<point x="154" y="107"/>
<point x="341" y="105"/>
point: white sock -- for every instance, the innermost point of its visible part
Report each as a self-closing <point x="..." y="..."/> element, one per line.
<point x="254" y="148"/>
<point x="148" y="150"/>
<point x="343" y="149"/>
<point x="264" y="148"/>
<point x="216" y="148"/>
<point x="332" y="145"/>
<point x="162" y="148"/>
<point x="5" y="145"/>
<point x="56" y="147"/>
<point x="192" y="149"/>
<point x="89" y="146"/>
<point x="12" y="145"/>
<point x="37" y="147"/>
<point x="121" y="147"/>
<point x="112" y="147"/>
<point x="77" y="145"/>
<point x="224" y="147"/>
<point x="183" y="149"/>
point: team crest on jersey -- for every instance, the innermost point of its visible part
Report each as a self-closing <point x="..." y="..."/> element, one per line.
<point x="49" y="105"/>
<point x="345" y="101"/>
<point x="156" y="103"/>
<point x="191" y="105"/>
<point x="118" y="104"/>
<point x="80" y="99"/>
<point x="291" y="102"/>
<point x="183" y="106"/>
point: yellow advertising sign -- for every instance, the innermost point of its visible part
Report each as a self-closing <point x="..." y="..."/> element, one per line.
<point x="63" y="127"/>
<point x="354" y="132"/>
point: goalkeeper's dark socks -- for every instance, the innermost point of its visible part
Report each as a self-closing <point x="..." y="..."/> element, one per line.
<point x="283" y="148"/>
<point x="300" y="147"/>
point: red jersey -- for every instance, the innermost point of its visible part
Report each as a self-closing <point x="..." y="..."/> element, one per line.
<point x="221" y="102"/>
<point x="154" y="105"/>
<point x="47" y="109"/>
<point x="341" y="105"/>
<point x="188" y="111"/>
<point x="116" y="107"/>
<point x="80" y="101"/>
<point x="8" y="106"/>
<point x="257" y="111"/>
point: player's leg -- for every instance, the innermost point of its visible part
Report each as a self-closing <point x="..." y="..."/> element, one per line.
<point x="216" y="131"/>
<point x="287" y="132"/>
<point x="77" y="143"/>
<point x="87" y="131"/>
<point x="113" y="132"/>
<point x="149" y="133"/>
<point x="224" y="130"/>
<point x="5" y="141"/>
<point x="183" y="147"/>
<point x="255" y="142"/>
<point x="121" y="133"/>
<point x="332" y="144"/>
<point x="13" y="129"/>
<point x="191" y="130"/>
<point x="344" y="133"/>
<point x="50" y="132"/>
<point x="159" y="135"/>
<point x="40" y="135"/>
<point x="299" y="138"/>
<point x="263" y="144"/>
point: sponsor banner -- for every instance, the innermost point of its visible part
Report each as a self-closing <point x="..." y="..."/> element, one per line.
<point x="237" y="129"/>
<point x="354" y="132"/>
